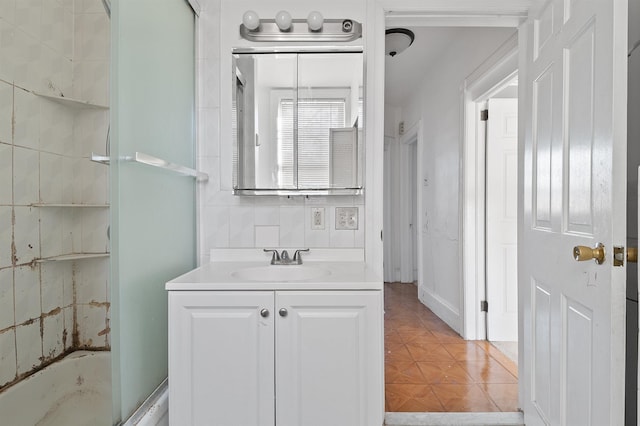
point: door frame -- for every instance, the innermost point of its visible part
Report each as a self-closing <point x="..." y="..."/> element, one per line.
<point x="413" y="135"/>
<point x="488" y="79"/>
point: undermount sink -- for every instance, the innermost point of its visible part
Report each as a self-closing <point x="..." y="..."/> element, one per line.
<point x="276" y="273"/>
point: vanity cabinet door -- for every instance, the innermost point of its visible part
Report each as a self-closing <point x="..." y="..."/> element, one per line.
<point x="221" y="365"/>
<point x="329" y="358"/>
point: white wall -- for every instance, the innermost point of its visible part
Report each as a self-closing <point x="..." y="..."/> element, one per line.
<point x="437" y="102"/>
<point x="228" y="221"/>
<point x="58" y="48"/>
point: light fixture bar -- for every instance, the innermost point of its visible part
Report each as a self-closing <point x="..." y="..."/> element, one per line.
<point x="339" y="30"/>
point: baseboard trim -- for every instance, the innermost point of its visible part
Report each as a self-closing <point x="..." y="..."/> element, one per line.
<point x="441" y="308"/>
<point x="451" y="419"/>
<point x="153" y="409"/>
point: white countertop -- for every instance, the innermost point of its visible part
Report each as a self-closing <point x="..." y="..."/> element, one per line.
<point x="220" y="276"/>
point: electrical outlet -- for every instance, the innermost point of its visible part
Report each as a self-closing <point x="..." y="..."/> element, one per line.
<point x="346" y="218"/>
<point x="317" y="218"/>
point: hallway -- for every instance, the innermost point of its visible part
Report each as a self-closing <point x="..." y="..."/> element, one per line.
<point x="430" y="368"/>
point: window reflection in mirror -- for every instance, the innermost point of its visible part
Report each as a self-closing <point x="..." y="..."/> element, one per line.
<point x="297" y="120"/>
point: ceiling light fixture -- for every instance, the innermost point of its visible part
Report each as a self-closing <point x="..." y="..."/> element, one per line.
<point x="397" y="40"/>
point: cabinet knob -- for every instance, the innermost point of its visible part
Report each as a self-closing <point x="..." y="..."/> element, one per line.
<point x="283" y="312"/>
<point x="264" y="312"/>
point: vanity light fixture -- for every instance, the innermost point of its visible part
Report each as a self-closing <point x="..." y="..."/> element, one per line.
<point x="315" y="20"/>
<point x="285" y="29"/>
<point x="251" y="20"/>
<point x="283" y="20"/>
<point x="396" y="40"/>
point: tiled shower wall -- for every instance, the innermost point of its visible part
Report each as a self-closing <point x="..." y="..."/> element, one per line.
<point x="228" y="221"/>
<point x="57" y="48"/>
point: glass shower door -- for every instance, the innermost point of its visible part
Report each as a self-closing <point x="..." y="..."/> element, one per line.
<point x="153" y="230"/>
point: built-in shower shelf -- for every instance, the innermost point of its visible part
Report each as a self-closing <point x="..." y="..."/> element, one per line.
<point x="74" y="256"/>
<point x="71" y="103"/>
<point x="70" y="205"/>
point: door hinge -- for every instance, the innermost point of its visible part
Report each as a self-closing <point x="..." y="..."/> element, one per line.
<point x="484" y="306"/>
<point x="484" y="115"/>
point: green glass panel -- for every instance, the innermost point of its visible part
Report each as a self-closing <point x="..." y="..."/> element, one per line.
<point x="153" y="210"/>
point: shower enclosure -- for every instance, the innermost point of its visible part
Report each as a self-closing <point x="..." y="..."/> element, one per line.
<point x="86" y="246"/>
<point x="54" y="202"/>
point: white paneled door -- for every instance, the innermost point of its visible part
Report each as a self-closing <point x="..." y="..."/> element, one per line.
<point x="502" y="220"/>
<point x="574" y="194"/>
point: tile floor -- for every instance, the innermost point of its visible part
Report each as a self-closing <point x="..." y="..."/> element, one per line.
<point x="430" y="368"/>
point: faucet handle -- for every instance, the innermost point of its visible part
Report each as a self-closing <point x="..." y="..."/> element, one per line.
<point x="297" y="257"/>
<point x="285" y="256"/>
<point x="275" y="257"/>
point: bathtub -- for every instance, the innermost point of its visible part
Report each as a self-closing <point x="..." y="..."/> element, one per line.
<point x="75" y="391"/>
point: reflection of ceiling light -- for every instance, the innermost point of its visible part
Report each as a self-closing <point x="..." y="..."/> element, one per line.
<point x="397" y="40"/>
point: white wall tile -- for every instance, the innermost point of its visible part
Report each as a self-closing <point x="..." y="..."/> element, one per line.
<point x="216" y="226"/>
<point x="56" y="128"/>
<point x="29" y="346"/>
<point x="72" y="231"/>
<point x="6" y="175"/>
<point x="51" y="174"/>
<point x="51" y="227"/>
<point x="53" y="275"/>
<point x="209" y="122"/>
<point x="91" y="281"/>
<point x="28" y="16"/>
<point x="210" y="83"/>
<point x="91" y="323"/>
<point x="6" y="111"/>
<point x="94" y="182"/>
<point x="7" y="356"/>
<point x="8" y="45"/>
<point x="26" y="234"/>
<point x="292" y="226"/>
<point x="6" y="235"/>
<point x="26" y="176"/>
<point x="68" y="318"/>
<point x="90" y="132"/>
<point x="92" y="37"/>
<point x="68" y="179"/>
<point x="8" y="10"/>
<point x="88" y="6"/>
<point x="94" y="230"/>
<point x="27" y="119"/>
<point x="91" y="81"/>
<point x="27" y="52"/>
<point x="267" y="215"/>
<point x="52" y="26"/>
<point x="267" y="236"/>
<point x="27" y="293"/>
<point x="241" y="223"/>
<point x="52" y="335"/>
<point x="6" y="298"/>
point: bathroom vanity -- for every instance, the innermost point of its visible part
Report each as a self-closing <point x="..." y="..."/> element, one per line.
<point x="299" y="346"/>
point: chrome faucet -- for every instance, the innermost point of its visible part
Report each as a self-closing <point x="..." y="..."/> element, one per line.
<point x="284" y="259"/>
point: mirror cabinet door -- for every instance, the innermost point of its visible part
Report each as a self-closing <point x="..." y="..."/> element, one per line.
<point x="297" y="120"/>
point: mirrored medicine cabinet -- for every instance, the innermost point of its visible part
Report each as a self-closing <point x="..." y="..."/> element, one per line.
<point x="297" y="123"/>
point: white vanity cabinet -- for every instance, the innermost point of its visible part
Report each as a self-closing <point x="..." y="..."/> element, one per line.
<point x="280" y="357"/>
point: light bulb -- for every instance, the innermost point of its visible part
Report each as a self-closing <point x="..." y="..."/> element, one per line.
<point x="315" y="21"/>
<point x="251" y="20"/>
<point x="283" y="20"/>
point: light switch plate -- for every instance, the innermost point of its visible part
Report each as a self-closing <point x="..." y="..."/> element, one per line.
<point x="317" y="218"/>
<point x="346" y="218"/>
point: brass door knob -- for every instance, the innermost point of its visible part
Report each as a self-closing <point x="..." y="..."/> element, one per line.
<point x="582" y="253"/>
<point x="632" y="254"/>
